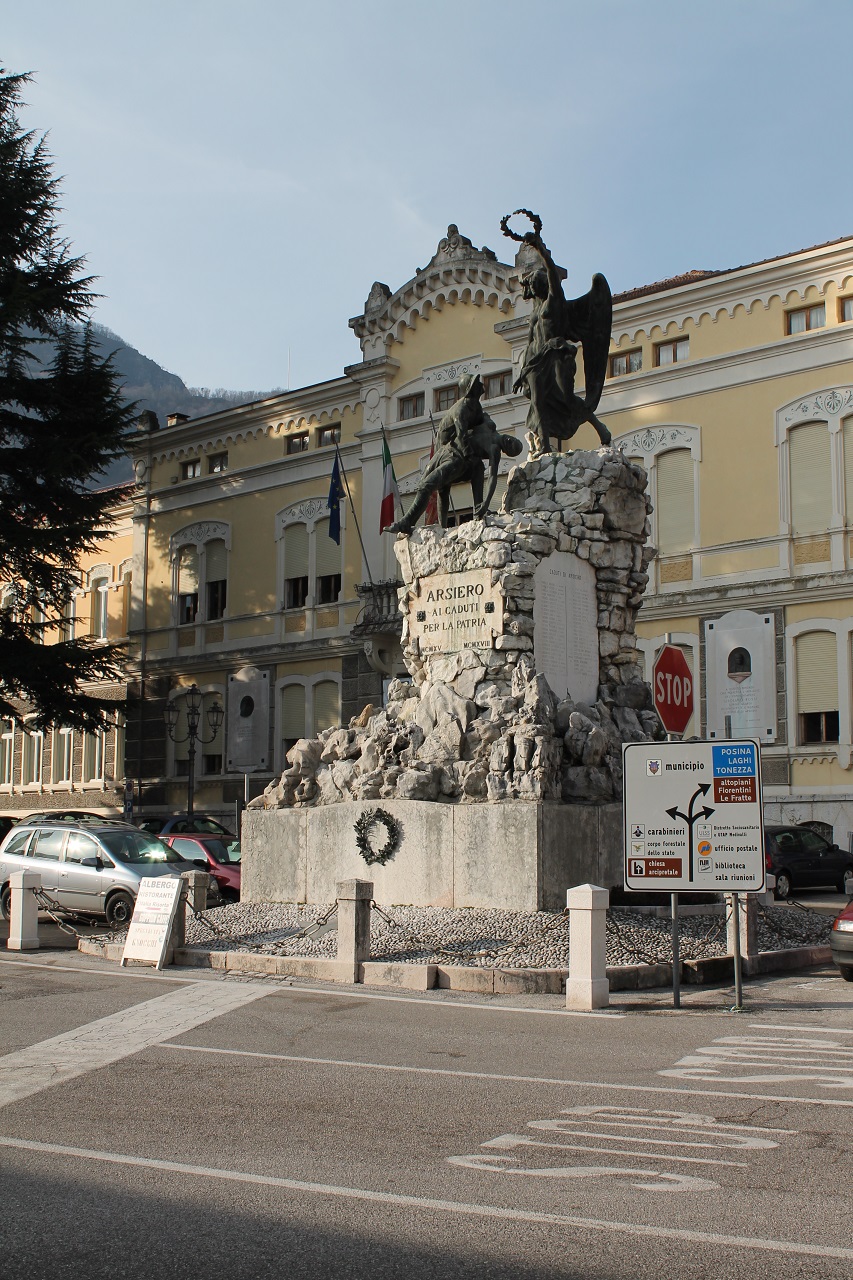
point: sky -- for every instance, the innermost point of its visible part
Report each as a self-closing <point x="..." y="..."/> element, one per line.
<point x="238" y="174"/>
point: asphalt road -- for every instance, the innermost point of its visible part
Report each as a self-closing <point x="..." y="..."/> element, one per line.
<point x="187" y="1125"/>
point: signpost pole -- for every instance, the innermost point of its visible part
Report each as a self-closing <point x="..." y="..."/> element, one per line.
<point x="676" y="955"/>
<point x="738" y="978"/>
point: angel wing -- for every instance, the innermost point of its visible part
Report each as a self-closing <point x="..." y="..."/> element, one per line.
<point x="591" y="320"/>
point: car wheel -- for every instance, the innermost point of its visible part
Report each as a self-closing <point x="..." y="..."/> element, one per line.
<point x="846" y="971"/>
<point x="783" y="885"/>
<point x="119" y="910"/>
<point x="6" y="903"/>
<point x="845" y="884"/>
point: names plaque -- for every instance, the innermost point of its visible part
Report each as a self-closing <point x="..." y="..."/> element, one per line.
<point x="456" y="611"/>
<point x="565" y="614"/>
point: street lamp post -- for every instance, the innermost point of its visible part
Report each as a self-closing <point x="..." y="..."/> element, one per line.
<point x="215" y="716"/>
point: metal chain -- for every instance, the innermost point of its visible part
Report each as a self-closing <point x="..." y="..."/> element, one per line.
<point x="52" y="908"/>
<point x="266" y="948"/>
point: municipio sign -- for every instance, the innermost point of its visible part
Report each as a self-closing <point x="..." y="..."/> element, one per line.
<point x="693" y="817"/>
<point x="672" y="686"/>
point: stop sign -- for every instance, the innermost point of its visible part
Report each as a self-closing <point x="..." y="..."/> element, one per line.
<point x="672" y="686"/>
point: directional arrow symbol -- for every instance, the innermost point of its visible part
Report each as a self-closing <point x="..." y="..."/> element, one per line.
<point x="691" y="818"/>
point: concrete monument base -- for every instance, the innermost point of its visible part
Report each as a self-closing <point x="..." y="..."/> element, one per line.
<point x="517" y="855"/>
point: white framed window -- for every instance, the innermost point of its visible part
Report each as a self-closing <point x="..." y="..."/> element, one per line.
<point x="62" y="757"/>
<point x="817" y="687"/>
<point x="804" y="319"/>
<point x="7" y="754"/>
<point x="814" y="438"/>
<point x="675" y="503"/>
<point x="811" y="478"/>
<point x="32" y="757"/>
<point x="672" y="352"/>
<point x="99" y="589"/>
<point x="191" y="470"/>
<point x="94" y="758"/>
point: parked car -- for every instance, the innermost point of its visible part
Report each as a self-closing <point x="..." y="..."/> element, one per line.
<point x="7" y="822"/>
<point x="801" y="859"/>
<point x="181" y="823"/>
<point x="91" y="868"/>
<point x="67" y="815"/>
<point x="841" y="942"/>
<point x="219" y="857"/>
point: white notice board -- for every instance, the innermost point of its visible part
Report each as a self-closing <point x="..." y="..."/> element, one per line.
<point x="692" y="816"/>
<point x="153" y="914"/>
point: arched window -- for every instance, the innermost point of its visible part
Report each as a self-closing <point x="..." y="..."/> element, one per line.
<point x="295" y="566"/>
<point x="675" y="502"/>
<point x="327" y="705"/>
<point x="309" y="565"/>
<point x="811" y="478"/>
<point x="292" y="717"/>
<point x="817" y="687"/>
<point x="187" y="585"/>
<point x="199" y="555"/>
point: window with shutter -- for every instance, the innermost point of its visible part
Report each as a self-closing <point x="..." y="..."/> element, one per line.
<point x="187" y="585"/>
<point x="811" y="485"/>
<point x="847" y="432"/>
<point x="326" y="705"/>
<point x="295" y="566"/>
<point x="216" y="573"/>
<point x="675" y="506"/>
<point x="327" y="559"/>
<point x="292" y="717"/>
<point x="817" y="686"/>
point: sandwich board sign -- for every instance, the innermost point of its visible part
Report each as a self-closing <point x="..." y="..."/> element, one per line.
<point x="153" y="916"/>
<point x="692" y="817"/>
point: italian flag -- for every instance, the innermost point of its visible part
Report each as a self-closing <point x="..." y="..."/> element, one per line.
<point x="390" y="492"/>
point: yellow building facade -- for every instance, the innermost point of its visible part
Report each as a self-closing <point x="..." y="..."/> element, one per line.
<point x="63" y="768"/>
<point x="733" y="388"/>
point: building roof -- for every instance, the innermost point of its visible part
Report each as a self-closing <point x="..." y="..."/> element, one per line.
<point x="691" y="277"/>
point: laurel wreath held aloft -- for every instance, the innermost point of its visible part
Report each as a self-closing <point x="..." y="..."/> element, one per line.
<point x="514" y="235"/>
<point x="364" y="827"/>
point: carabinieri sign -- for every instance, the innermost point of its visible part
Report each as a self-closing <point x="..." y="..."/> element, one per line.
<point x="692" y="816"/>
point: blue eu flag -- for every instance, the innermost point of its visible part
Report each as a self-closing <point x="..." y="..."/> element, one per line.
<point x="336" y="492"/>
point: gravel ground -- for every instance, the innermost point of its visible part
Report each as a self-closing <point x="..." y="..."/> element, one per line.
<point x="490" y="938"/>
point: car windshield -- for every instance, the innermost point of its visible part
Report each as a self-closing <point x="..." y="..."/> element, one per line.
<point x="138" y="848"/>
<point x="223" y="851"/>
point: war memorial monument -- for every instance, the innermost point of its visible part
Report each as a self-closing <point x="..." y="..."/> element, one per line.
<point x="493" y="778"/>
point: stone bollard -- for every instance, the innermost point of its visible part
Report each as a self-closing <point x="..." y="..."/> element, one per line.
<point x="24" y="917"/>
<point x="748" y="903"/>
<point x="354" y="899"/>
<point x="193" y="898"/>
<point x="587" y="987"/>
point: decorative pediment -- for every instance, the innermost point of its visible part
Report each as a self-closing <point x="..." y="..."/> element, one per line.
<point x="198" y="534"/>
<point x="652" y="440"/>
<point x="454" y="247"/>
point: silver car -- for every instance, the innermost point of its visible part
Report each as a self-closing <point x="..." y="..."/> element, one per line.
<point x="93" y="868"/>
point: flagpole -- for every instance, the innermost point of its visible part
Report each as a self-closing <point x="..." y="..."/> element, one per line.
<point x="355" y="518"/>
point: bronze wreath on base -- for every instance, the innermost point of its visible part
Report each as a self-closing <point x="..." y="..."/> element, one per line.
<point x="363" y="828"/>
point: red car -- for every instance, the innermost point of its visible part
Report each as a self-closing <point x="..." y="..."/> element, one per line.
<point x="841" y="942"/>
<point x="219" y="857"/>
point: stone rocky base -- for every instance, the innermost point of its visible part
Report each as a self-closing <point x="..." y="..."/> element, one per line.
<point x="482" y="724"/>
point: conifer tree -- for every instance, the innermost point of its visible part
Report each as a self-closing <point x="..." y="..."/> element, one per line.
<point x="62" y="422"/>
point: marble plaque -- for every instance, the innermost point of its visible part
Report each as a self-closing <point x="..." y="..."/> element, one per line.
<point x="740" y="664"/>
<point x="565" y="614"/>
<point x="456" y="611"/>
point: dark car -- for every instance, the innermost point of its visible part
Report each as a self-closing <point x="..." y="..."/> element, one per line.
<point x="801" y="859"/>
<point x="841" y="942"/>
<point x="68" y="815"/>
<point x="183" y="824"/>
<point x="221" y="858"/>
<point x="7" y="822"/>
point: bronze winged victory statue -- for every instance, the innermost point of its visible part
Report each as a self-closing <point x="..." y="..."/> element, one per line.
<point x="557" y="325"/>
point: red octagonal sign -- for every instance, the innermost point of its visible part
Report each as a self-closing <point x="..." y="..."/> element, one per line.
<point x="672" y="686"/>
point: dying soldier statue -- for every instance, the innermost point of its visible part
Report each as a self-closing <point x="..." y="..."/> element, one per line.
<point x="547" y="374"/>
<point x="466" y="439"/>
